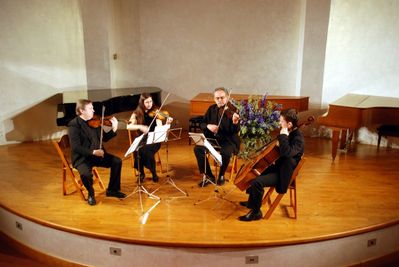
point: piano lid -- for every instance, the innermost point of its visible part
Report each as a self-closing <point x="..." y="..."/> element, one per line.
<point x="366" y="101"/>
<point x="114" y="100"/>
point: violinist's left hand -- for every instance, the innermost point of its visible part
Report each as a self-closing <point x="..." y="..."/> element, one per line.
<point x="235" y="118"/>
<point x="114" y="123"/>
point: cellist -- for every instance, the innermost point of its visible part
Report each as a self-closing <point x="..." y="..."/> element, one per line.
<point x="291" y="148"/>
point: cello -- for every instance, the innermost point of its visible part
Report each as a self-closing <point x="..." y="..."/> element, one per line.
<point x="266" y="156"/>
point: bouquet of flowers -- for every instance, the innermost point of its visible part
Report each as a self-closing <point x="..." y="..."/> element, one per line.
<point x="258" y="118"/>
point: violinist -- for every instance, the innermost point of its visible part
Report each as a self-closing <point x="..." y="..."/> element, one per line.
<point x="291" y="147"/>
<point x="223" y="125"/>
<point x="87" y="150"/>
<point x="140" y="120"/>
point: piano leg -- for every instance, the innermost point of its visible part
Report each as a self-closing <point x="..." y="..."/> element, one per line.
<point x="335" y="139"/>
<point x="342" y="143"/>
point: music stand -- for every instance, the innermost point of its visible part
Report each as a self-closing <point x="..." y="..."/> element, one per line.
<point x="170" y="135"/>
<point x="137" y="144"/>
<point x="210" y="145"/>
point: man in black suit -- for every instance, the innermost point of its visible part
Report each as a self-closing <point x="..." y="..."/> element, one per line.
<point x="291" y="147"/>
<point x="87" y="151"/>
<point x="222" y="127"/>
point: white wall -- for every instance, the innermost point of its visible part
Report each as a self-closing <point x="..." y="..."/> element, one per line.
<point x="362" y="49"/>
<point x="195" y="46"/>
<point x="41" y="54"/>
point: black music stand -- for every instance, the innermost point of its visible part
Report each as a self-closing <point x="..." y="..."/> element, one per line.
<point x="169" y="135"/>
<point x="137" y="144"/>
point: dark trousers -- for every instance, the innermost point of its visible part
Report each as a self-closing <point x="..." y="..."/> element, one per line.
<point x="227" y="149"/>
<point x="256" y="190"/>
<point x="147" y="158"/>
<point x="109" y="161"/>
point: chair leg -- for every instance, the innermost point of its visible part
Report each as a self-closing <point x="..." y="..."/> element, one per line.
<point x="293" y="201"/>
<point x="159" y="162"/>
<point x="64" y="190"/>
<point x="266" y="198"/>
<point x="273" y="206"/>
<point x="233" y="167"/>
<point x="98" y="179"/>
<point x="79" y="186"/>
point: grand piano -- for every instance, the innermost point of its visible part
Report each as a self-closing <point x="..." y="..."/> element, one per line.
<point x="353" y="111"/>
<point x="201" y="102"/>
<point x="114" y="100"/>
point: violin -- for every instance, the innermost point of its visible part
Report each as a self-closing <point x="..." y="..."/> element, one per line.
<point x="95" y="122"/>
<point x="161" y="115"/>
<point x="229" y="109"/>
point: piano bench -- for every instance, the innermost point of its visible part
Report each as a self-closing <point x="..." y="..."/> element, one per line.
<point x="387" y="130"/>
<point x="194" y="125"/>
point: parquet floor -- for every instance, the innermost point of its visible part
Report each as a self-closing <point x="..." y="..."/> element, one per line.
<point x="358" y="192"/>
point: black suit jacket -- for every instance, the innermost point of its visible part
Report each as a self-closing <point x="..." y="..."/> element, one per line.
<point x="228" y="132"/>
<point x="84" y="140"/>
<point x="291" y="149"/>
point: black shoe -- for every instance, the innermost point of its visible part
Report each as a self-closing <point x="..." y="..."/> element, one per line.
<point x="155" y="178"/>
<point x="251" y="216"/>
<point x="91" y="200"/>
<point x="117" y="194"/>
<point x="244" y="203"/>
<point x="204" y="182"/>
<point x="221" y="180"/>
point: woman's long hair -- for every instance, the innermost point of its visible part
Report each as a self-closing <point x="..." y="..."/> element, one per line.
<point x="139" y="111"/>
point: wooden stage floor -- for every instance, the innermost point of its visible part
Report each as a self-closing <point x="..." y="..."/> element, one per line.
<point x="357" y="193"/>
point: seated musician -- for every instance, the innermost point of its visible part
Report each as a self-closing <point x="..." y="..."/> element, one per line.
<point x="142" y="120"/>
<point x="218" y="125"/>
<point x="291" y="147"/>
<point x="87" y="151"/>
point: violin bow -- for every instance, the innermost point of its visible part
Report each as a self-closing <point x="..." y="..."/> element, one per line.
<point x="225" y="107"/>
<point x="156" y="113"/>
<point x="102" y="124"/>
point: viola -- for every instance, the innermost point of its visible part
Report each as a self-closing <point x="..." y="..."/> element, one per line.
<point x="95" y="122"/>
<point x="161" y="115"/>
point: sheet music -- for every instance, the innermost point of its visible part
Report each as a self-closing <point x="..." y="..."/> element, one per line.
<point x="200" y="140"/>
<point x="158" y="135"/>
<point x="134" y="145"/>
<point x="213" y="151"/>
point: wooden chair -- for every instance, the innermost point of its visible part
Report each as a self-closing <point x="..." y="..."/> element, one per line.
<point x="132" y="135"/>
<point x="194" y="125"/>
<point x="292" y="189"/>
<point x="234" y="163"/>
<point x="63" y="148"/>
<point x="233" y="166"/>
